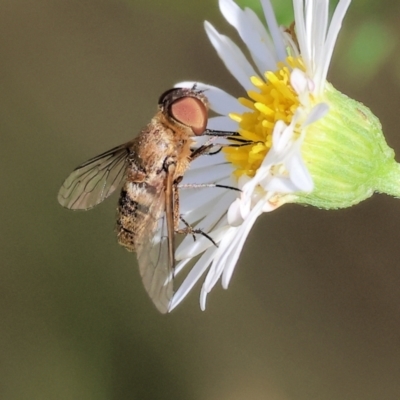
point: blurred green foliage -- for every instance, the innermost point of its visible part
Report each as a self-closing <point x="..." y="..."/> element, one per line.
<point x="369" y="46"/>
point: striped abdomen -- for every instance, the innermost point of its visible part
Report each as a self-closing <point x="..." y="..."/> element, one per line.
<point x="136" y="219"/>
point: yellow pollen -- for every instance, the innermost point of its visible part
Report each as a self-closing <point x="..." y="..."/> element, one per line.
<point x="274" y="99"/>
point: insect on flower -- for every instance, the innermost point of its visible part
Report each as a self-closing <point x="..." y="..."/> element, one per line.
<point x="151" y="166"/>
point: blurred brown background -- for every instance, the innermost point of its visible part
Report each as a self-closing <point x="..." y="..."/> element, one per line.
<point x="313" y="310"/>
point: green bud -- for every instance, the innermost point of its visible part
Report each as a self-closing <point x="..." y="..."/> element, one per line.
<point x="347" y="155"/>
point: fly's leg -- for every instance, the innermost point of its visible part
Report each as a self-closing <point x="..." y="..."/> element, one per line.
<point x="188" y="230"/>
<point x="176" y="204"/>
<point x="207" y="185"/>
<point x="199" y="151"/>
<point x="204" y="149"/>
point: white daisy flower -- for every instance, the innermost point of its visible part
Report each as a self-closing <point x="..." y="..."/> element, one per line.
<point x="301" y="140"/>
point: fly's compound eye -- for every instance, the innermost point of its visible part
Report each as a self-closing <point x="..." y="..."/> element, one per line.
<point x="191" y="112"/>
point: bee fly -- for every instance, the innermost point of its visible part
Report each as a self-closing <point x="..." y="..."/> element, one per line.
<point x="151" y="166"/>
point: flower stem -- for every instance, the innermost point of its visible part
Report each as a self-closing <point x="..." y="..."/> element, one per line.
<point x="389" y="179"/>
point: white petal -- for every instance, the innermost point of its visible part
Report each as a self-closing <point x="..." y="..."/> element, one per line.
<point x="281" y="134"/>
<point x="220" y="101"/>
<point x="193" y="276"/>
<point x="301" y="33"/>
<point x="232" y="56"/>
<point x="217" y="268"/>
<point x="274" y="29"/>
<point x="315" y="40"/>
<point x="298" y="81"/>
<point x="299" y="174"/>
<point x="316" y="113"/>
<point x="320" y="25"/>
<point x="334" y="28"/>
<point x="181" y="265"/>
<point x="190" y="248"/>
<point x="203" y="298"/>
<point x="213" y="213"/>
<point x="259" y="27"/>
<point x="280" y="185"/>
<point x="188" y="84"/>
<point x="234" y="214"/>
<point x="232" y="253"/>
<point x="196" y="199"/>
<point x="261" y="54"/>
<point x="222" y="124"/>
<point x="205" y="175"/>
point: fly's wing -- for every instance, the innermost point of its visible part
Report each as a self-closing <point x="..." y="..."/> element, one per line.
<point x="155" y="265"/>
<point x="93" y="181"/>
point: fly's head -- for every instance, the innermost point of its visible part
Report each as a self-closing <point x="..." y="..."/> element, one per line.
<point x="186" y="107"/>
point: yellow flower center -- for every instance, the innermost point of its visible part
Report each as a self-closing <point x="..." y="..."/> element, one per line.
<point x="275" y="100"/>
